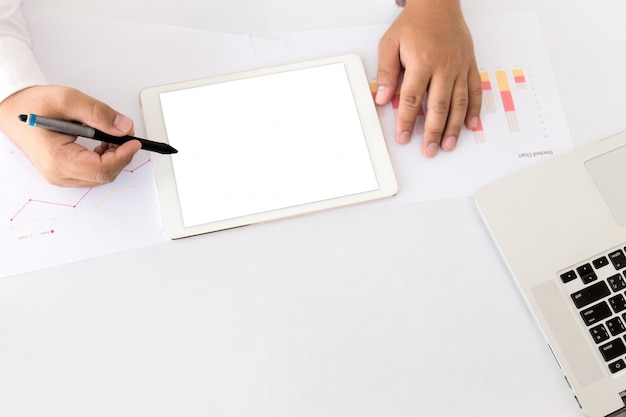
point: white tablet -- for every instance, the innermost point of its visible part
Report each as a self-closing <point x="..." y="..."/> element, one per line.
<point x="266" y="144"/>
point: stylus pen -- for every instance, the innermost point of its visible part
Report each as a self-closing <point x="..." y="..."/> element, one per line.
<point x="77" y="129"/>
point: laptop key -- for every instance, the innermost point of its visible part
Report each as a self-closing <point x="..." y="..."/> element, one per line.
<point x="590" y="294"/>
<point x="600" y="262"/>
<point x="613" y="349"/>
<point x="568" y="276"/>
<point x="586" y="273"/>
<point x="584" y="269"/>
<point x="616" y="282"/>
<point x="599" y="333"/>
<point x="617" y="366"/>
<point x="615" y="326"/>
<point x="618" y="259"/>
<point x="618" y="303"/>
<point x="595" y="313"/>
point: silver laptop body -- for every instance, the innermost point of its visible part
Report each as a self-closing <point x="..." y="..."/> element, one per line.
<point x="561" y="227"/>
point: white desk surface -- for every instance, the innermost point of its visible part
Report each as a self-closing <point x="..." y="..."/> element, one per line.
<point x="399" y="310"/>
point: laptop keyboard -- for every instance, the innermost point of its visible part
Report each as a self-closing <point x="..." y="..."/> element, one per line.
<point x="598" y="291"/>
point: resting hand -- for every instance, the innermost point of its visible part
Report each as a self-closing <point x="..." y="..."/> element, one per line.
<point x="58" y="157"/>
<point x="432" y="42"/>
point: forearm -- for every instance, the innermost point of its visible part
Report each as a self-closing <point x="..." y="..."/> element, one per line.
<point x="447" y="3"/>
<point x="20" y="70"/>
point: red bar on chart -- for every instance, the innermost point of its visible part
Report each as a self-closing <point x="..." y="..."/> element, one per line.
<point x="395" y="101"/>
<point x="479" y="134"/>
<point x="507" y="100"/>
<point x="485" y="81"/>
<point x="373" y="89"/>
<point x="488" y="101"/>
<point x="520" y="78"/>
<point x="505" y="91"/>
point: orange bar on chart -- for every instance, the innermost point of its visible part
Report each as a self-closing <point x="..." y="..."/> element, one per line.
<point x="520" y="78"/>
<point x="505" y="91"/>
<point x="486" y="82"/>
<point x="488" y="100"/>
<point x="395" y="101"/>
<point x="518" y="75"/>
<point x="507" y="101"/>
<point x="373" y="89"/>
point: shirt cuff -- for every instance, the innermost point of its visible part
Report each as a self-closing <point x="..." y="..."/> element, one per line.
<point x="21" y="70"/>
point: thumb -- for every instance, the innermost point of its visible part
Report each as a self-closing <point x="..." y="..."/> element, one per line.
<point x="389" y="68"/>
<point x="122" y="124"/>
<point x="99" y="115"/>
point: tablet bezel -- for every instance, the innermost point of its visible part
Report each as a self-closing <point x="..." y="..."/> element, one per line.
<point x="165" y="180"/>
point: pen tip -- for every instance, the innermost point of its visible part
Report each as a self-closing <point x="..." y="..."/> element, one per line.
<point x="23" y="117"/>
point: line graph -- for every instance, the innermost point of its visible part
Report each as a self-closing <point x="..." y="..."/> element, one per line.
<point x="65" y="224"/>
<point x="52" y="203"/>
<point x="75" y="203"/>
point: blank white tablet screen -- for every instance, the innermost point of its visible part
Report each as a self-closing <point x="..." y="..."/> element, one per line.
<point x="258" y="144"/>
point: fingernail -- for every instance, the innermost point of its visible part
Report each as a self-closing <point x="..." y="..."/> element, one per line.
<point x="449" y="143"/>
<point x="404" y="137"/>
<point x="474" y="123"/>
<point x="432" y="149"/>
<point x="381" y="92"/>
<point x="122" y="123"/>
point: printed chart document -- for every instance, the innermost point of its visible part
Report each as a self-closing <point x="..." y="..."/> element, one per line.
<point x="42" y="225"/>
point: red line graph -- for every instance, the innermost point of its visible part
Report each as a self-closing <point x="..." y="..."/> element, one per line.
<point x="137" y="167"/>
<point x="69" y="205"/>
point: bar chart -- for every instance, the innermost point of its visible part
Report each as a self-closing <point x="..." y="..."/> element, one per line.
<point x="520" y="78"/>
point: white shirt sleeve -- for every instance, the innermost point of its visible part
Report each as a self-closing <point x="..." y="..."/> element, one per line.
<point x="18" y="66"/>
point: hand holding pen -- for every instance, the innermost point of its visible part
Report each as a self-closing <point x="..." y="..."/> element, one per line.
<point x="79" y="129"/>
<point x="57" y="156"/>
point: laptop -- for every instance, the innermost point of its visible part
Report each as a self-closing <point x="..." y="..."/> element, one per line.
<point x="561" y="228"/>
